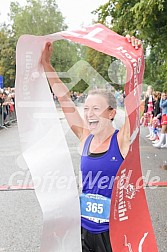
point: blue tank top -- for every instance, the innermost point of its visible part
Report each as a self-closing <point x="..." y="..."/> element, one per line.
<point x="98" y="175"/>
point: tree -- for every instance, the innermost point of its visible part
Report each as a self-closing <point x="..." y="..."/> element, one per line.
<point x="146" y="20"/>
<point x="37" y="17"/>
<point x="156" y="69"/>
<point x="7" y="58"/>
<point x="40" y="18"/>
<point x="99" y="61"/>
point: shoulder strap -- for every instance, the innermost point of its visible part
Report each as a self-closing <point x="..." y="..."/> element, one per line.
<point x="86" y="145"/>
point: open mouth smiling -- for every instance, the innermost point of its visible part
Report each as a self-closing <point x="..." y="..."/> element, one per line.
<point x="93" y="123"/>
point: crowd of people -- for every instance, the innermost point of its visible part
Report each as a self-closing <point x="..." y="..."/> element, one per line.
<point x="7" y="106"/>
<point x="155" y="117"/>
<point x="80" y="97"/>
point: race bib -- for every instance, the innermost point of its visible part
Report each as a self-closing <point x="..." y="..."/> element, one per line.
<point x="95" y="207"/>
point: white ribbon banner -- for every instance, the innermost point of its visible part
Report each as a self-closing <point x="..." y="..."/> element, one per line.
<point x="47" y="155"/>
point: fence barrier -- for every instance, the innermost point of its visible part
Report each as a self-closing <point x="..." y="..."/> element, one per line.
<point x="6" y="119"/>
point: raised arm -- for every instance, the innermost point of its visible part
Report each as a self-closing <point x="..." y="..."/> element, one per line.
<point x="124" y="133"/>
<point x="61" y="91"/>
<point x="124" y="137"/>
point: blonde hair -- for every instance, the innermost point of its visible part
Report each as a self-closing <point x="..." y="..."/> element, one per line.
<point x="110" y="98"/>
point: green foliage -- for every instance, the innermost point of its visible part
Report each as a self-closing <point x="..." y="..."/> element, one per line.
<point x="7" y="58"/>
<point x="37" y="17"/>
<point x="156" y="68"/>
<point x="147" y="20"/>
<point x="80" y="87"/>
<point x="117" y="15"/>
<point x="40" y="18"/>
<point x="99" y="61"/>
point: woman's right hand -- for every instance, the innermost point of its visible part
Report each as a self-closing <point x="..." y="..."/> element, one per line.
<point x="46" y="54"/>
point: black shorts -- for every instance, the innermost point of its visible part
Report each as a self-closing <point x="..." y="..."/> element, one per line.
<point x="95" y="242"/>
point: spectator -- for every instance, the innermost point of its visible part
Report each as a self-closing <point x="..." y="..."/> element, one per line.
<point x="155" y="122"/>
<point x="148" y="108"/>
<point x="163" y="137"/>
<point x="3" y="106"/>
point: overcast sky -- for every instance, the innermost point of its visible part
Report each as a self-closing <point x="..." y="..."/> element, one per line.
<point x="76" y="12"/>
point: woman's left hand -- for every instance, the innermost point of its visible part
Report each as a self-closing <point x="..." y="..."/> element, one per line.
<point x="136" y="43"/>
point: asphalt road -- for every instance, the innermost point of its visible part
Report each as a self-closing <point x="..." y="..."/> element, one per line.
<point x="20" y="214"/>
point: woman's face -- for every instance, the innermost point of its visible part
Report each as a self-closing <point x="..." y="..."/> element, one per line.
<point x="163" y="96"/>
<point x="149" y="90"/>
<point x="96" y="113"/>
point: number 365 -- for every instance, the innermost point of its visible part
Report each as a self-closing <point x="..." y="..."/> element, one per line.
<point x="94" y="207"/>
